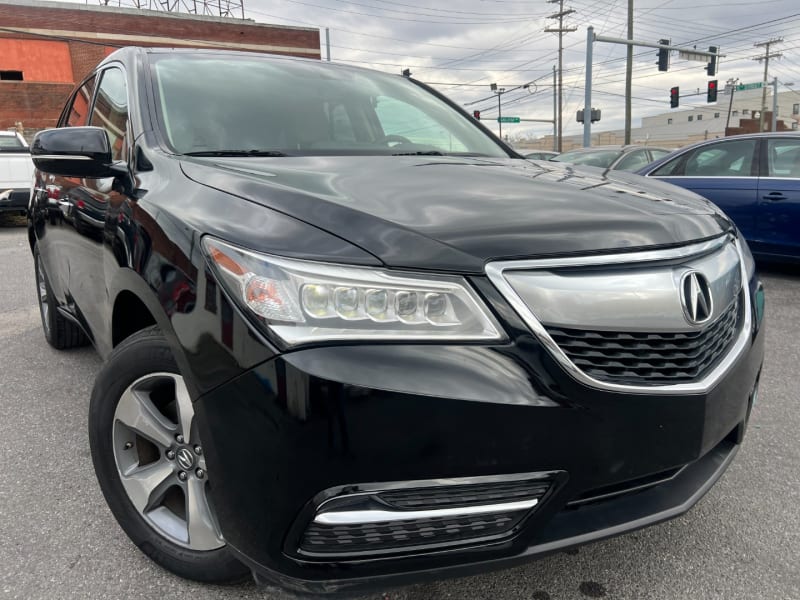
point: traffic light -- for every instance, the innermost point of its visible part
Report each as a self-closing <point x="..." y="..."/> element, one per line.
<point x="711" y="67"/>
<point x="674" y="97"/>
<point x="711" y="95"/>
<point x="663" y="56"/>
<point x="476" y="114"/>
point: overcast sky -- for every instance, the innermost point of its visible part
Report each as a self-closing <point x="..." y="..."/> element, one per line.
<point x="462" y="47"/>
<point x="479" y="42"/>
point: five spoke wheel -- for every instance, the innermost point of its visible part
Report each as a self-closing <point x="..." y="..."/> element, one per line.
<point x="161" y="463"/>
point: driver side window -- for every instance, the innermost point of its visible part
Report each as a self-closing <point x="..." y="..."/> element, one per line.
<point x="111" y="111"/>
<point x="78" y="113"/>
<point x="395" y="116"/>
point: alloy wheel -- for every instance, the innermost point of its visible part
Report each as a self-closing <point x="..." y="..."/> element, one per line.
<point x="160" y="461"/>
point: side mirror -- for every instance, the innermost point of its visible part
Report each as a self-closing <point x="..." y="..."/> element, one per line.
<point x="75" y="152"/>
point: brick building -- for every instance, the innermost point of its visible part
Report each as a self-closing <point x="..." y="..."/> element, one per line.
<point x="47" y="47"/>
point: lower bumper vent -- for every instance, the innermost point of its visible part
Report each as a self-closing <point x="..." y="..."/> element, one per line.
<point x="405" y="534"/>
<point x="419" y="517"/>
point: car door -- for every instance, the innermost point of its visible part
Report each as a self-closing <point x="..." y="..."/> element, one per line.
<point x="51" y="210"/>
<point x="91" y="200"/>
<point x="778" y="218"/>
<point x="83" y="207"/>
<point x="725" y="172"/>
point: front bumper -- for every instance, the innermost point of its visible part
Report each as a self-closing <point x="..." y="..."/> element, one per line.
<point x="339" y="417"/>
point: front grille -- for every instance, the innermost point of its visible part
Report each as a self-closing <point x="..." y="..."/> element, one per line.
<point x="405" y="534"/>
<point x="464" y="495"/>
<point x="649" y="358"/>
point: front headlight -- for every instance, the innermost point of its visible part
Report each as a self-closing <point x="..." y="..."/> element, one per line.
<point x="302" y="301"/>
<point x="747" y="258"/>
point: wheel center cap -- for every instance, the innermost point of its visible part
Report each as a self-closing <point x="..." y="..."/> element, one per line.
<point x="185" y="459"/>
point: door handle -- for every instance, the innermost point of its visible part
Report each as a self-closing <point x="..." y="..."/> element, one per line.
<point x="775" y="196"/>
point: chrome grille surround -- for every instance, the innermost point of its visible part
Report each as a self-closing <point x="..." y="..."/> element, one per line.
<point x="498" y="271"/>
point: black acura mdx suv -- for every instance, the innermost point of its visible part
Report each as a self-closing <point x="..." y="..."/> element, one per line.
<point x="351" y="338"/>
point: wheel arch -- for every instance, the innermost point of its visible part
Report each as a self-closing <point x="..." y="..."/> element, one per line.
<point x="129" y="315"/>
<point x="135" y="307"/>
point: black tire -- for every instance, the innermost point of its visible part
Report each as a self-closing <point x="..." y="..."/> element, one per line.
<point x="142" y="355"/>
<point x="60" y="332"/>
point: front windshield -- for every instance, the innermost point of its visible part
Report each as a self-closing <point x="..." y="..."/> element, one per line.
<point x="225" y="103"/>
<point x="597" y="158"/>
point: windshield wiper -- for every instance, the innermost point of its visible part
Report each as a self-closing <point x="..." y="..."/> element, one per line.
<point x="236" y="153"/>
<point x="422" y="153"/>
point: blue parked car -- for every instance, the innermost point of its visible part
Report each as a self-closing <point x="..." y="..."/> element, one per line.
<point x="754" y="178"/>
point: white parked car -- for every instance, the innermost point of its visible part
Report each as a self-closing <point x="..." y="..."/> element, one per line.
<point x="16" y="173"/>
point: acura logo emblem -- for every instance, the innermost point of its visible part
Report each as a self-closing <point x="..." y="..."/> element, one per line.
<point x="185" y="459"/>
<point x="696" y="298"/>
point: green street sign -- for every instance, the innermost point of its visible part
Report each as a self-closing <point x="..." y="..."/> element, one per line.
<point x="749" y="86"/>
<point x="508" y="119"/>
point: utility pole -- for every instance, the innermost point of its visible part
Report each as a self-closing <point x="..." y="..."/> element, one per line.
<point x="732" y="85"/>
<point x="555" y="110"/>
<point x="560" y="30"/>
<point x="629" y="75"/>
<point x="587" y="92"/>
<point x="328" y="42"/>
<point x="774" y="104"/>
<point x="764" y="85"/>
<point x="499" y="92"/>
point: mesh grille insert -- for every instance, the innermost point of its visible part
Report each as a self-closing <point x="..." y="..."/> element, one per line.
<point x="404" y="534"/>
<point x="649" y="358"/>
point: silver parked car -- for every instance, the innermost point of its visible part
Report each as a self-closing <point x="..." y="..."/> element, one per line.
<point x="619" y="158"/>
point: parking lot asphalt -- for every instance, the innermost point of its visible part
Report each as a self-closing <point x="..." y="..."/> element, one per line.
<point x="58" y="539"/>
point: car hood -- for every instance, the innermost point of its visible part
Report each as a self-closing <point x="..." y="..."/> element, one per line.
<point x="453" y="213"/>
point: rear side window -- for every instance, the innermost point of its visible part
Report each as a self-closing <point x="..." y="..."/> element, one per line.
<point x="783" y="158"/>
<point x="10" y="143"/>
<point x="633" y="161"/>
<point x="78" y="114"/>
<point x="656" y="154"/>
<point x="111" y="111"/>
